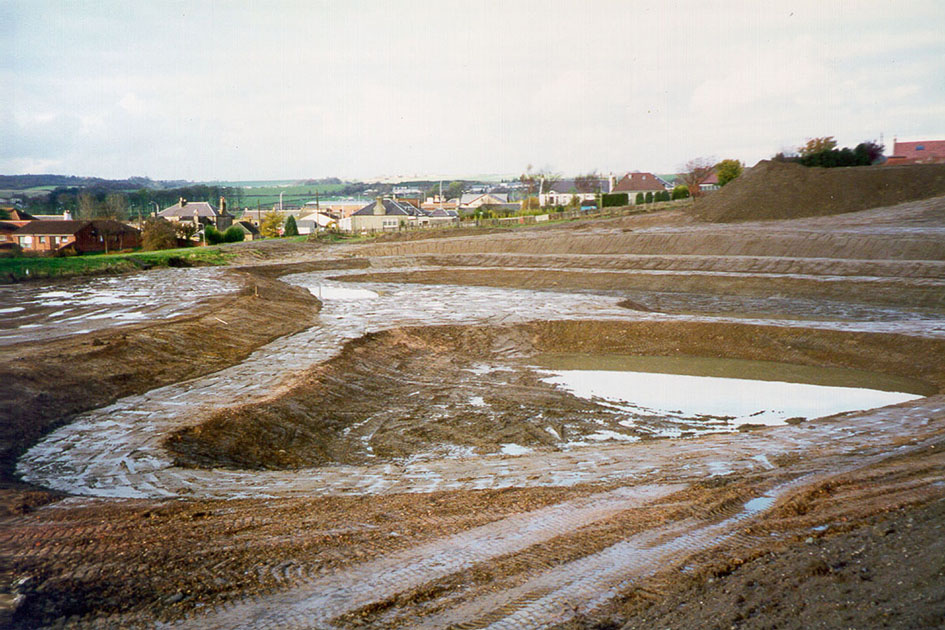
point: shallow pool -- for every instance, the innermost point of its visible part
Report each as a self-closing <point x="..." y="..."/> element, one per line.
<point x="720" y="394"/>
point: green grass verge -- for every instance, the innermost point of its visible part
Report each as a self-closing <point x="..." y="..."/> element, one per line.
<point x="31" y="268"/>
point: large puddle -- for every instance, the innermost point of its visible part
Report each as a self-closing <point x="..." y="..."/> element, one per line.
<point x="720" y="394"/>
<point x="29" y="311"/>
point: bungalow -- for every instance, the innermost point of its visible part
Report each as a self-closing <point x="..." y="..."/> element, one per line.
<point x="472" y="201"/>
<point x="199" y="211"/>
<point x="8" y="232"/>
<point x="315" y="221"/>
<point x="442" y="216"/>
<point x="96" y="235"/>
<point x="633" y="183"/>
<point x="384" y="215"/>
<point x="561" y="192"/>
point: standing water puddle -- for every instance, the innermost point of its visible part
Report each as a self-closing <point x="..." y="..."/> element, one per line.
<point x="720" y="394"/>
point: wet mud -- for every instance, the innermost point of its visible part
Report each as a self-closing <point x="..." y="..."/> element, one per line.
<point x="464" y="390"/>
<point x="351" y="467"/>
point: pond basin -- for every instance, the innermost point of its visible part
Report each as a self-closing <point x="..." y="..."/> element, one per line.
<point x="730" y="393"/>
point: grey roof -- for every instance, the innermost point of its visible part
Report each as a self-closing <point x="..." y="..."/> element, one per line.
<point x="249" y="227"/>
<point x="70" y="227"/>
<point x="468" y="198"/>
<point x="202" y="208"/>
<point x="391" y="208"/>
<point x="569" y="185"/>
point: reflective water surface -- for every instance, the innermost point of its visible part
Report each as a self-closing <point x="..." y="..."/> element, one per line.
<point x="725" y="393"/>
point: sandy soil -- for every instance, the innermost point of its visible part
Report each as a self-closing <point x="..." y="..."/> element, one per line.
<point x="834" y="523"/>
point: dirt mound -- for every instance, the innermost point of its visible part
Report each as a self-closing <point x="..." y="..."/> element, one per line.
<point x="407" y="392"/>
<point x="779" y="190"/>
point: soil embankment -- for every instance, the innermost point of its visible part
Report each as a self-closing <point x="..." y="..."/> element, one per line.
<point x="785" y="190"/>
<point x="47" y="383"/>
<point x="404" y="392"/>
<point x="838" y="516"/>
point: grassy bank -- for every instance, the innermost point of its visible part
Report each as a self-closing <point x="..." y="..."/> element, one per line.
<point x="31" y="268"/>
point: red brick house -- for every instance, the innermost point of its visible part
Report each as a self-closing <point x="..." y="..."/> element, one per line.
<point x="633" y="183"/>
<point x="922" y="152"/>
<point x="98" y="235"/>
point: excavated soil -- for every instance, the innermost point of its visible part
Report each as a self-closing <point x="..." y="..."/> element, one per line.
<point x="45" y="384"/>
<point x="407" y="391"/>
<point x="785" y="190"/>
<point x="836" y="531"/>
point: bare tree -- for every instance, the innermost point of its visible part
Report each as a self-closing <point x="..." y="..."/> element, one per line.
<point x="696" y="172"/>
<point x="589" y="183"/>
<point x="87" y="206"/>
<point x="116" y="207"/>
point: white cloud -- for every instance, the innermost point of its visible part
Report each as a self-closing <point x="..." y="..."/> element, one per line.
<point x="226" y="90"/>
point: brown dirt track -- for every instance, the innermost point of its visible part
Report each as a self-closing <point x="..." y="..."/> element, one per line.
<point x="873" y="561"/>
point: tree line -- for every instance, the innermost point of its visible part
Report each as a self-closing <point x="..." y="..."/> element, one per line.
<point x="103" y="202"/>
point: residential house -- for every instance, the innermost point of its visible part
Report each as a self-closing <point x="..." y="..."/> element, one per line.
<point x="922" y="152"/>
<point x="250" y="231"/>
<point x="471" y="201"/>
<point x="199" y="211"/>
<point x="442" y="216"/>
<point x="384" y="215"/>
<point x="640" y="182"/>
<point x="7" y="234"/>
<point x="710" y="183"/>
<point x="562" y="191"/>
<point x="95" y="235"/>
<point x="313" y="221"/>
<point x="436" y="202"/>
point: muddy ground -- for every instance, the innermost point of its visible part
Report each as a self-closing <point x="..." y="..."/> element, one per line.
<point x="850" y="539"/>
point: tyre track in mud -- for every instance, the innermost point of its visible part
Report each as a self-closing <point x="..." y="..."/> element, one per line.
<point x="373" y="594"/>
<point x="316" y="603"/>
<point x="552" y="592"/>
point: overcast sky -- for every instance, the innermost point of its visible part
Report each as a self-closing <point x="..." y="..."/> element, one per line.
<point x="203" y="90"/>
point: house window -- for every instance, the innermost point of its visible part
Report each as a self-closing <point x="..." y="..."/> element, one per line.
<point x="26" y="241"/>
<point x="920" y="147"/>
<point x="42" y="240"/>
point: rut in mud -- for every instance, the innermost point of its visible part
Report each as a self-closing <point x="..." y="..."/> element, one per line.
<point x="345" y="508"/>
<point x="447" y="389"/>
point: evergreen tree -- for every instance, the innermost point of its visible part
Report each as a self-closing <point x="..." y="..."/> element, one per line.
<point x="291" y="229"/>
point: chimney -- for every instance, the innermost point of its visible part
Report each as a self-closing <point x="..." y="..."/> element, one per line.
<point x="222" y="204"/>
<point x="66" y="215"/>
<point x="182" y="202"/>
<point x="379" y="207"/>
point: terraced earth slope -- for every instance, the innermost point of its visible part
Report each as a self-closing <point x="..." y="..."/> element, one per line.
<point x="352" y="466"/>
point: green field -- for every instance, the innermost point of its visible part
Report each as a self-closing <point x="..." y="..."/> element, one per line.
<point x="265" y="194"/>
<point x="31" y="268"/>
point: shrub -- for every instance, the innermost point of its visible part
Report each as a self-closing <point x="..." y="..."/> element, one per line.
<point x="610" y="200"/>
<point x="649" y="197"/>
<point x="681" y="192"/>
<point x="233" y="234"/>
<point x="727" y="170"/>
<point x="212" y="235"/>
<point x="640" y="197"/>
<point x="158" y="233"/>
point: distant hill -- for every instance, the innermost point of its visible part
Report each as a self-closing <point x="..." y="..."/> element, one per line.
<point x="24" y="182"/>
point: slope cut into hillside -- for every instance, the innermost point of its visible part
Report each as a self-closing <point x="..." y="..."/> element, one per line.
<point x="784" y="190"/>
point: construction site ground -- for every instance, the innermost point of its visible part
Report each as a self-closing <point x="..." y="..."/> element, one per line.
<point x="269" y="459"/>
